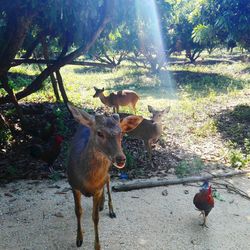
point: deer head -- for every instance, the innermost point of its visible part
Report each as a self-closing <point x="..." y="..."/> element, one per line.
<point x="157" y="115"/>
<point x="106" y="132"/>
<point x="98" y="92"/>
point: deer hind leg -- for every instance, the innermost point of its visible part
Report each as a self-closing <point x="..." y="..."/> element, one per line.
<point x="116" y="109"/>
<point x="111" y="210"/>
<point x="102" y="201"/>
<point x="95" y="216"/>
<point x="78" y="210"/>
<point x="133" y="107"/>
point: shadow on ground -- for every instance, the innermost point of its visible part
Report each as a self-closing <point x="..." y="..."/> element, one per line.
<point x="234" y="126"/>
<point x="167" y="83"/>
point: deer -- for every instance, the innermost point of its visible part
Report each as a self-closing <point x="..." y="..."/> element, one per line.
<point x="121" y="98"/>
<point x="149" y="130"/>
<point x="96" y="145"/>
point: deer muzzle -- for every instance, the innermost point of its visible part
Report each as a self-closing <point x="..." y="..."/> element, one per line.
<point x="119" y="161"/>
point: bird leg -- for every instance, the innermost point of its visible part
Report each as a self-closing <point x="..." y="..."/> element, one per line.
<point x="204" y="222"/>
<point x="202" y="213"/>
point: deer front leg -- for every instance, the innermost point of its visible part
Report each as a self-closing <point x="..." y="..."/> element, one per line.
<point x="148" y="148"/>
<point x="111" y="211"/>
<point x="95" y="216"/>
<point x="102" y="201"/>
<point x="78" y="210"/>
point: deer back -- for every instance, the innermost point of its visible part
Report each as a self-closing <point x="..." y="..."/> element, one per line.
<point x="123" y="98"/>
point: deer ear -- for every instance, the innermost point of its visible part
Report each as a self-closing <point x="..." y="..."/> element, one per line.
<point x="102" y="89"/>
<point x="130" y="122"/>
<point x="95" y="88"/>
<point x="166" y="110"/>
<point x="150" y="109"/>
<point x="81" y="116"/>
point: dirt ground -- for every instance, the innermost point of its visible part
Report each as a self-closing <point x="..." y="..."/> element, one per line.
<point x="40" y="215"/>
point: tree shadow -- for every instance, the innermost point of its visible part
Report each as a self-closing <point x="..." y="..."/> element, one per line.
<point x="208" y="62"/>
<point x="88" y="69"/>
<point x="168" y="82"/>
<point x="202" y="82"/>
<point x="234" y="126"/>
<point x="246" y="70"/>
<point x="16" y="163"/>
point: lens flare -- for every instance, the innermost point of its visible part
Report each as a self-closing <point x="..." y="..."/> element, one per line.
<point x="151" y="42"/>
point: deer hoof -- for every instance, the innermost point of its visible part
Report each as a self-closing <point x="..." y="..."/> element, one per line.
<point x="78" y="243"/>
<point x="97" y="246"/>
<point x="112" y="215"/>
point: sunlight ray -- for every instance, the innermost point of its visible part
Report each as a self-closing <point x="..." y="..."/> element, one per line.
<point x="152" y="43"/>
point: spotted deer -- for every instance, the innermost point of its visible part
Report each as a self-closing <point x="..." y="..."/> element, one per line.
<point x="149" y="130"/>
<point x="96" y="145"/>
<point x="120" y="98"/>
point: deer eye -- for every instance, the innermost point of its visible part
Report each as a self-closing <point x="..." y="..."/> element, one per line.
<point x="100" y="134"/>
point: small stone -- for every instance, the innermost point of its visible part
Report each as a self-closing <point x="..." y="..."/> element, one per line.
<point x="59" y="215"/>
<point x="164" y="192"/>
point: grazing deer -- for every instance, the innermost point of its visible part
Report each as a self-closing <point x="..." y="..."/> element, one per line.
<point x="95" y="146"/>
<point x="120" y="98"/>
<point x="149" y="130"/>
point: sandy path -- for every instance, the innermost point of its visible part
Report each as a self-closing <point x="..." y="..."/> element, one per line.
<point x="145" y="219"/>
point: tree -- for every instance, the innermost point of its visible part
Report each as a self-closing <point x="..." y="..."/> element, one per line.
<point x="233" y="17"/>
<point x="73" y="25"/>
<point x="183" y="27"/>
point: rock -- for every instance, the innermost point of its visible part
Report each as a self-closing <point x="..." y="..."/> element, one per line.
<point x="164" y="192"/>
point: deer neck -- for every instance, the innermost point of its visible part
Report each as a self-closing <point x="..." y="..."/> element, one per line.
<point x="96" y="159"/>
<point x="105" y="99"/>
<point x="158" y="121"/>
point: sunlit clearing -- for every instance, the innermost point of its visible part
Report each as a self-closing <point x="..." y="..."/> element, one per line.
<point x="151" y="41"/>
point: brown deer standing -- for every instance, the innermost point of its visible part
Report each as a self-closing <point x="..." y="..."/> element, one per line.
<point x="149" y="130"/>
<point x="95" y="146"/>
<point x="120" y="98"/>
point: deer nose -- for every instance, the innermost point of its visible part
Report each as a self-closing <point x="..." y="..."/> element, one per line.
<point x="120" y="161"/>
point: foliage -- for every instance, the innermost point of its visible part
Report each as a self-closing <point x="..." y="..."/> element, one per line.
<point x="130" y="161"/>
<point x="233" y="17"/>
<point x="5" y="136"/>
<point x="238" y="159"/>
<point x="185" y="168"/>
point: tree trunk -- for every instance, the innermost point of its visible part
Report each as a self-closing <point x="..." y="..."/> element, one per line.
<point x="61" y="87"/>
<point x="16" y="29"/>
<point x="37" y="83"/>
<point x="52" y="77"/>
<point x="17" y="62"/>
<point x="159" y="183"/>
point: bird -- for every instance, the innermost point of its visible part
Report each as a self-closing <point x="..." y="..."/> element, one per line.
<point x="204" y="201"/>
<point x="47" y="154"/>
<point x="47" y="132"/>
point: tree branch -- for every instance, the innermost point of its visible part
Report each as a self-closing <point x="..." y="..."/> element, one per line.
<point x="37" y="83"/>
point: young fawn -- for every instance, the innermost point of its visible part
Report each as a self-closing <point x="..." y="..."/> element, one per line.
<point x="149" y="130"/>
<point x="95" y="146"/>
<point x="120" y="98"/>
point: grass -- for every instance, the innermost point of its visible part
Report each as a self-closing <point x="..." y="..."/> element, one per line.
<point x="196" y="93"/>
